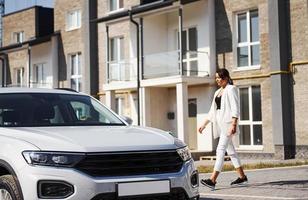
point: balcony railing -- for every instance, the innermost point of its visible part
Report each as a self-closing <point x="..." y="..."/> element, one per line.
<point x="163" y="64"/>
<point x="195" y="63"/>
<point x="41" y="85"/>
<point x="123" y="70"/>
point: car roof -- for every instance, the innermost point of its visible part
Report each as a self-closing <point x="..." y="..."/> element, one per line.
<point x="8" y="90"/>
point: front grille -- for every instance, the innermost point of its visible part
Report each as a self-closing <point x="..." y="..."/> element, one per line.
<point x="130" y="163"/>
<point x="175" y="194"/>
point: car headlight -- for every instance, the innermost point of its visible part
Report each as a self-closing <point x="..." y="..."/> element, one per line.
<point x="57" y="159"/>
<point x="184" y="153"/>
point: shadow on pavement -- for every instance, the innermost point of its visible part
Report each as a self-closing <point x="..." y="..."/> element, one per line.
<point x="290" y="182"/>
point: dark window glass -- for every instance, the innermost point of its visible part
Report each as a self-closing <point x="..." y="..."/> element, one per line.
<point x="242" y="56"/>
<point x="244" y="101"/>
<point x="193" y="42"/>
<point x="254" y="26"/>
<point x="113" y="49"/>
<point x="184" y="44"/>
<point x="257" y="135"/>
<point x="255" y="54"/>
<point x="245" y="135"/>
<point x="192" y="107"/>
<point x="256" y="103"/>
<point x="242" y="28"/>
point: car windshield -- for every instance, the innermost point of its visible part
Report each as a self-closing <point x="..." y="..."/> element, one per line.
<point x="47" y="109"/>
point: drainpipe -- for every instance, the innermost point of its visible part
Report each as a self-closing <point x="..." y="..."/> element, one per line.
<point x="138" y="63"/>
<point x="141" y="46"/>
<point x="3" y="71"/>
<point x="107" y="54"/>
<point x="180" y="40"/>
<point x="29" y="67"/>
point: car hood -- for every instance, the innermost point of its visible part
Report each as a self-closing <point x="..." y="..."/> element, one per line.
<point x="94" y="138"/>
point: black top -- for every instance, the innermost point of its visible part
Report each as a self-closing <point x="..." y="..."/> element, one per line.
<point x="218" y="102"/>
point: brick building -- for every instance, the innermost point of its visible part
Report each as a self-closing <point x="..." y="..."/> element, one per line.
<point x="132" y="54"/>
<point x="78" y="44"/>
<point x="262" y="44"/>
<point x="30" y="52"/>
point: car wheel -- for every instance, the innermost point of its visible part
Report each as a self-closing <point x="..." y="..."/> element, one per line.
<point x="8" y="188"/>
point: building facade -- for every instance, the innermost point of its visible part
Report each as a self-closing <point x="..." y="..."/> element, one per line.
<point x="174" y="79"/>
<point x="30" y="53"/>
<point x="174" y="84"/>
<point x="78" y="44"/>
<point x="155" y="61"/>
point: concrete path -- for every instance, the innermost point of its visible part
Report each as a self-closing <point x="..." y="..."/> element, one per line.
<point x="289" y="183"/>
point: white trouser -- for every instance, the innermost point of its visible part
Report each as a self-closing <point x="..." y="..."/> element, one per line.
<point x="225" y="144"/>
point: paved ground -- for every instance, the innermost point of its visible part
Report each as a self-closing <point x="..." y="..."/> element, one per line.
<point x="278" y="184"/>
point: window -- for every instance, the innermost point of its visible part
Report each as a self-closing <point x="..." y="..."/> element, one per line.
<point x="39" y="73"/>
<point x="248" y="42"/>
<point x="18" y="37"/>
<point x="117" y="49"/>
<point x="19" y="76"/>
<point x="190" y="51"/>
<point x="251" y="116"/>
<point x="73" y="20"/>
<point x="119" y="106"/>
<point x="117" y="72"/>
<point x="76" y="77"/>
<point x="115" y="5"/>
<point x="192" y="107"/>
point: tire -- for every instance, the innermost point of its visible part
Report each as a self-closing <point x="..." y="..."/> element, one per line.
<point x="8" y="188"/>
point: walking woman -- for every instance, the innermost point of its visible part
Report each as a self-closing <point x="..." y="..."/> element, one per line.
<point x="224" y="114"/>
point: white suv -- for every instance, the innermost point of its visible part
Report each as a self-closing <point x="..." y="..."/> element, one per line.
<point x="57" y="144"/>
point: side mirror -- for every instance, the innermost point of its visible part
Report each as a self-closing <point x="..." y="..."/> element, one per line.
<point x="127" y="119"/>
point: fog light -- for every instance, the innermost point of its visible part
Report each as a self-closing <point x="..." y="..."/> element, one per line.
<point x="54" y="189"/>
<point x="194" y="179"/>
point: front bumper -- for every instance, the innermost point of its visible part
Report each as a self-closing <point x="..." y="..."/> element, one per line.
<point x="92" y="188"/>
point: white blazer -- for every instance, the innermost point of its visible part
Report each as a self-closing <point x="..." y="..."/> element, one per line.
<point x="230" y="107"/>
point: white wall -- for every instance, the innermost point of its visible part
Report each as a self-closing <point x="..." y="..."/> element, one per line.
<point x="155" y="34"/>
<point x="204" y="96"/>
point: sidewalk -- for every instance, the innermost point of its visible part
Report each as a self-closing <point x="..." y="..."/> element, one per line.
<point x="255" y="163"/>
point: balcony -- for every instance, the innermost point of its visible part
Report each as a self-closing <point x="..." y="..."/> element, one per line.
<point x="165" y="64"/>
<point x="122" y="71"/>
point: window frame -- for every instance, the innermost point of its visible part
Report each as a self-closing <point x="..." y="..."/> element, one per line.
<point x="18" y="37"/>
<point x="116" y="65"/>
<point x="69" y="24"/>
<point x="248" y="43"/>
<point x="118" y="8"/>
<point x="35" y="74"/>
<point x="250" y="121"/>
<point x="78" y="74"/>
<point x="191" y="56"/>
<point x="19" y="72"/>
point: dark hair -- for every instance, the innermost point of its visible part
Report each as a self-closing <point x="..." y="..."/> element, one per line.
<point x="224" y="74"/>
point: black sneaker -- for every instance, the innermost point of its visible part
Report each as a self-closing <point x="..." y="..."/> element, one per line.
<point x="208" y="183"/>
<point x="239" y="181"/>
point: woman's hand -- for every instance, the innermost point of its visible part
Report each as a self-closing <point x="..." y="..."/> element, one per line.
<point x="232" y="129"/>
<point x="201" y="128"/>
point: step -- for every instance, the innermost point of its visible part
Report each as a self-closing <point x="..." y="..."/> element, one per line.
<point x="227" y="158"/>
